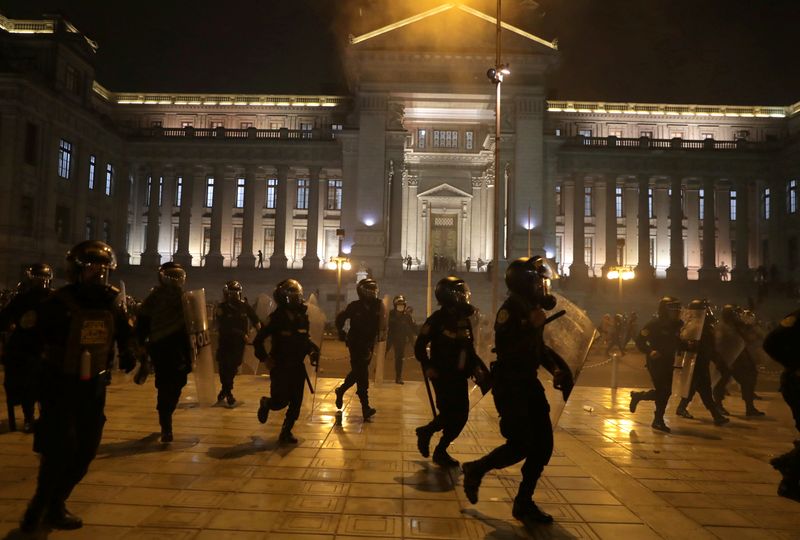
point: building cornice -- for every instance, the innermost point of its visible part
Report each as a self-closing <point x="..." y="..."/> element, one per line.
<point x="670" y="109"/>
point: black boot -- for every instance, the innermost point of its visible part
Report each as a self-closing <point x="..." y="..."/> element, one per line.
<point x="62" y="519"/>
<point x="165" y="420"/>
<point x="424" y="435"/>
<point x="221" y="395"/>
<point x="33" y="519"/>
<point x="660" y="425"/>
<point x="681" y="410"/>
<point x="636" y="397"/>
<point x="286" y="436"/>
<point x="528" y="513"/>
<point x="339" y="397"/>
<point x="720" y="420"/>
<point x="230" y="399"/>
<point x="721" y="409"/>
<point x="443" y="459"/>
<point x="367" y="412"/>
<point x="263" y="409"/>
<point x="472" y="480"/>
<point x="752" y="411"/>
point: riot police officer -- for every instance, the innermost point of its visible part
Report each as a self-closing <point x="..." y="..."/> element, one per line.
<point x="659" y="341"/>
<point x="162" y="328"/>
<point x="452" y="361"/>
<point x="401" y="329"/>
<point x="22" y="352"/>
<point x="743" y="369"/>
<point x="701" y="377"/>
<point x="365" y="320"/>
<point x="78" y="325"/>
<point x="518" y="393"/>
<point x="288" y="327"/>
<point x="232" y="316"/>
<point x="782" y="345"/>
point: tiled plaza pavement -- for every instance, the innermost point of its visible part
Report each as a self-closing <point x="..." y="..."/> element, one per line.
<point x="225" y="477"/>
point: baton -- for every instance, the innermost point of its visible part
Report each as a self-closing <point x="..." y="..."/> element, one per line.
<point x="308" y="379"/>
<point x="430" y="394"/>
<point x="555" y="316"/>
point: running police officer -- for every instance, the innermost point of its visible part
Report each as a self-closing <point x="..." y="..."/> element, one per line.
<point x="78" y="325"/>
<point x="782" y="345"/>
<point x="401" y="329"/>
<point x="162" y="328"/>
<point x="743" y="368"/>
<point x="232" y="316"/>
<point x="452" y="361"/>
<point x="518" y="394"/>
<point x="22" y="353"/>
<point x="365" y="317"/>
<point x="288" y="327"/>
<point x="660" y="340"/>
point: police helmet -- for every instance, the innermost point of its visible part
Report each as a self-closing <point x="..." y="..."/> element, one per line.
<point x="289" y="292"/>
<point x="668" y="304"/>
<point x="233" y="290"/>
<point x="39" y="275"/>
<point x="399" y="302"/>
<point x="530" y="277"/>
<point x="730" y="313"/>
<point x="172" y="274"/>
<point x="452" y="291"/>
<point x="367" y="288"/>
<point x="706" y="305"/>
<point x="90" y="262"/>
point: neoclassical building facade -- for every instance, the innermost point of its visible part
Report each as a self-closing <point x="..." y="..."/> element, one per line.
<point x="403" y="164"/>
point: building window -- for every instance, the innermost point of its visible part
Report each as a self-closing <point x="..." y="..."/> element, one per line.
<point x="650" y="213"/>
<point x="300" y="243"/>
<point x="421" y="138"/>
<point x="31" y="143"/>
<point x="246" y="125"/>
<point x="63" y="224"/>
<point x="237" y="242"/>
<point x="71" y="81"/>
<point x="175" y="238"/>
<point x="742" y="135"/>
<point x="559" y="250"/>
<point x="652" y="252"/>
<point x="469" y="141"/>
<point x="179" y="191"/>
<point x="160" y="190"/>
<point x="705" y="136"/>
<point x="306" y="129"/>
<point x="445" y="139"/>
<point x="765" y="197"/>
<point x="588" y="211"/>
<point x="733" y="205"/>
<point x="26" y="216"/>
<point x="206" y="240"/>
<point x="92" y="168"/>
<point x="619" y="212"/>
<point x="559" y="202"/>
<point x="186" y="124"/>
<point x="701" y="207"/>
<point x="337" y="127"/>
<point x="109" y="179"/>
<point x="156" y="123"/>
<point x="64" y="158"/>
<point x="334" y="195"/>
<point x="272" y="194"/>
<point x="239" y="203"/>
<point x="558" y="132"/>
<point x="791" y="196"/>
<point x="148" y="191"/>
<point x="106" y="231"/>
<point x="209" y="192"/>
<point x="89" y="234"/>
<point x="615" y="133"/>
<point x="676" y="134"/>
<point x="588" y="251"/>
<point x="302" y="193"/>
<point x="215" y="125"/>
<point x="584" y="132"/>
<point x="269" y="241"/>
<point x="646" y="134"/>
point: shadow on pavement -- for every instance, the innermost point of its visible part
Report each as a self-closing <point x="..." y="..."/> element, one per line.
<point x="255" y="446"/>
<point x="503" y="530"/>
<point x="430" y="479"/>
<point x="145" y="445"/>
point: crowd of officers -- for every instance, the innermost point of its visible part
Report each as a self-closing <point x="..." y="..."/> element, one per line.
<point x="62" y="342"/>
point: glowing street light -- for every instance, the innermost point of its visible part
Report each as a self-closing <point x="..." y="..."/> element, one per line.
<point x="620" y="273"/>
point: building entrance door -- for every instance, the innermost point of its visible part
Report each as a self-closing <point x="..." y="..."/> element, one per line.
<point x="444" y="237"/>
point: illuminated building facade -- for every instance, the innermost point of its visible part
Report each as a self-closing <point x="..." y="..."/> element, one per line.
<point x="403" y="163"/>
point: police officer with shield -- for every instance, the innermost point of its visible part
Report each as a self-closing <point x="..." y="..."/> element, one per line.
<point x="22" y="353"/>
<point x="364" y="315"/>
<point x="78" y="325"/>
<point x="287" y="327"/>
<point x="401" y="329"/>
<point x="782" y="345"/>
<point x="162" y="328"/>
<point x="518" y="394"/>
<point x="659" y="341"/>
<point x="452" y="361"/>
<point x="233" y="316"/>
<point x="743" y="369"/>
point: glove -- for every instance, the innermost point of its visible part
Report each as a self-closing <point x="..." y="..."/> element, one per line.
<point x="342" y="335"/>
<point x="314" y="358"/>
<point x="562" y="380"/>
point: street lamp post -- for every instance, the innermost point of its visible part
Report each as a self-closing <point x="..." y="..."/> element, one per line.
<point x="339" y="263"/>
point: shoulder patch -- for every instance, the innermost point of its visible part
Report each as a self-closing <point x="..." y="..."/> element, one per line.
<point x="502" y="316"/>
<point x="789" y="321"/>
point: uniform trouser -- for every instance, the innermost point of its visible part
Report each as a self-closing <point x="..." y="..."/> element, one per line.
<point x="359" y="372"/>
<point x="701" y="384"/>
<point x="229" y="357"/>
<point x="745" y="373"/>
<point x="452" y="401"/>
<point x="287" y="384"/>
<point x="790" y="390"/>
<point x="399" y="352"/>
<point x="67" y="435"/>
<point x="661" y="375"/>
<point x="22" y="372"/>
<point x="170" y="366"/>
<point x="525" y="423"/>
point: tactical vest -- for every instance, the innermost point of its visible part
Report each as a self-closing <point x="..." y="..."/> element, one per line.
<point x="90" y="342"/>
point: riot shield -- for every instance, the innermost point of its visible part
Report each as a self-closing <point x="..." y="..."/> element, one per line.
<point x="379" y="352"/>
<point x="728" y="342"/>
<point x="693" y="320"/>
<point x="194" y="312"/>
<point x="264" y="306"/>
<point x="316" y="331"/>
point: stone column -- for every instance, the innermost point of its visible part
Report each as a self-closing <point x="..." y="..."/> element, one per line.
<point x="709" y="271"/>
<point x="214" y="258"/>
<point x="611" y="224"/>
<point x="150" y="255"/>
<point x="167" y="202"/>
<point x="122" y="193"/>
<point x="246" y="258"/>
<point x="394" y="261"/>
<point x="741" y="268"/>
<point x="182" y="255"/>
<point x="278" y="258"/>
<point x="311" y="258"/>
<point x="677" y="266"/>
<point x="644" y="270"/>
<point x="412" y="211"/>
<point x="578" y="269"/>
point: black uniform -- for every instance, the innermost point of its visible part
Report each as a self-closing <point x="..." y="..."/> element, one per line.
<point x="701" y="377"/>
<point x="288" y="327"/>
<point x="660" y="341"/>
<point x="161" y="325"/>
<point x="364" y="318"/>
<point x="233" y="318"/>
<point x="745" y="372"/>
<point x="453" y="359"/>
<point x="401" y="329"/>
<point x="78" y="325"/>
<point x="22" y="363"/>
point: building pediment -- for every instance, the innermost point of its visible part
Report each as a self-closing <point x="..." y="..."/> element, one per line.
<point x="444" y="191"/>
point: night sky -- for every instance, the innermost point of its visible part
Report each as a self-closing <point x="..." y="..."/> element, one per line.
<point x="680" y="51"/>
